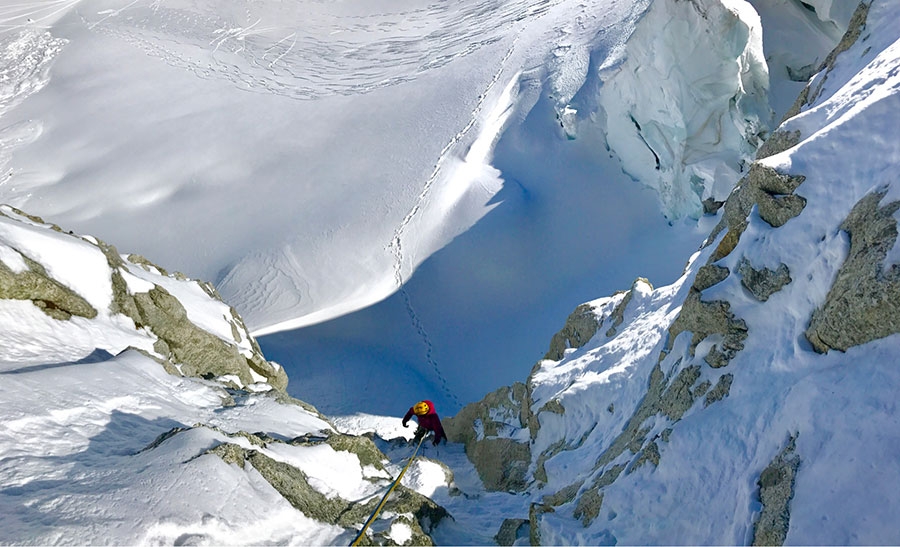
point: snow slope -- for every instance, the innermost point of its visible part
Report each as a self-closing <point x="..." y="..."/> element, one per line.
<point x="80" y="469"/>
<point x="265" y="100"/>
<point x="567" y="224"/>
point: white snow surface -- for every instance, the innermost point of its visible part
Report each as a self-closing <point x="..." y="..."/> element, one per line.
<point x="310" y="157"/>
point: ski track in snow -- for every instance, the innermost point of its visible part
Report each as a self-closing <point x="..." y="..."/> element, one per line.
<point x="329" y="55"/>
<point x="22" y="15"/>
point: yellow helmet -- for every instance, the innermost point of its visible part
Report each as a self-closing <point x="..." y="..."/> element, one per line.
<point x="421" y="408"/>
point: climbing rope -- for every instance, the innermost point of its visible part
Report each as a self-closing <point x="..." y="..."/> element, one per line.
<point x="385" y="498"/>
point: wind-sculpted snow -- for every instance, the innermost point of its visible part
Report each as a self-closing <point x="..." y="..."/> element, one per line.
<point x="307" y="50"/>
<point x="310" y="157"/>
<point x="111" y="454"/>
<point x="25" y="59"/>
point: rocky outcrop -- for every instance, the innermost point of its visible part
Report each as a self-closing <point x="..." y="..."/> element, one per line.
<point x="497" y="431"/>
<point x="618" y="314"/>
<point x="776" y="489"/>
<point x="512" y="530"/>
<point x="773" y="195"/>
<point x="778" y="142"/>
<point x="580" y="327"/>
<point x="194" y="351"/>
<point x="294" y="486"/>
<point x="535" y="512"/>
<point x="587" y="319"/>
<point x="721" y="390"/>
<point x="703" y="319"/>
<point x="486" y="427"/>
<point x="31" y="281"/>
<point x="404" y="506"/>
<point x="184" y="346"/>
<point x="709" y="275"/>
<point x="765" y="282"/>
<point x="861" y="305"/>
<point x="181" y="346"/>
<point x="48" y="294"/>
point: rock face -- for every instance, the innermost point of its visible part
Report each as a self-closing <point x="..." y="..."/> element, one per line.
<point x="485" y="428"/>
<point x="51" y="296"/>
<point x="765" y="282"/>
<point x="695" y="365"/>
<point x="511" y="530"/>
<point x="778" y="142"/>
<point x="776" y="488"/>
<point x="773" y="195"/>
<point x="580" y="327"/>
<point x="498" y="430"/>
<point x="195" y="351"/>
<point x="861" y="305"/>
<point x="704" y="319"/>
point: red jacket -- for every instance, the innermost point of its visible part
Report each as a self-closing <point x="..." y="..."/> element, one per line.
<point x="429" y="421"/>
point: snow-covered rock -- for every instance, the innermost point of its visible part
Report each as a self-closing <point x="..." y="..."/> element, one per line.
<point x="750" y="401"/>
<point x="137" y="408"/>
<point x="60" y="284"/>
<point x="711" y="415"/>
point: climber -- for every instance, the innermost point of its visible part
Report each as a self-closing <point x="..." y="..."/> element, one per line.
<point x="428" y="421"/>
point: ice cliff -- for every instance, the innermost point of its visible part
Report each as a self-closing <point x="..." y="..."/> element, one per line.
<point x="688" y="107"/>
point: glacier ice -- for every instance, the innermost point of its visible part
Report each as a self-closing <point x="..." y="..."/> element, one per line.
<point x="688" y="107"/>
